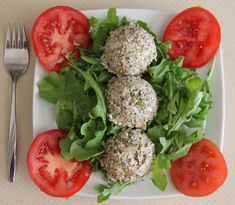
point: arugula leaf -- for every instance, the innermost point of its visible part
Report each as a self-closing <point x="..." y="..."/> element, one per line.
<point x="162" y="47"/>
<point x="166" y="143"/>
<point x="89" y="59"/>
<point x="113" y="129"/>
<point x="105" y="191"/>
<point x="92" y="64"/>
<point x="65" y="144"/>
<point x="170" y="84"/>
<point x="194" y="83"/>
<point x="158" y="176"/>
<point x="121" y="187"/>
<point x="64" y="118"/>
<point x="159" y="72"/>
<point x="154" y="133"/>
<point x="81" y="153"/>
<point x="104" y="77"/>
<point x="186" y="109"/>
<point x="75" y="112"/>
<point x="147" y="28"/>
<point x="124" y="21"/>
<point x="195" y="136"/>
<point x="193" y="123"/>
<point x="206" y="102"/>
<point x="180" y="152"/>
<point x="211" y="71"/>
<point x="56" y="86"/>
<point x="100" y="29"/>
<point x="179" y="137"/>
<point x="173" y="104"/>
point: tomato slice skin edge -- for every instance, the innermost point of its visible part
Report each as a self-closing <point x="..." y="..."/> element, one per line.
<point x="79" y="177"/>
<point x="204" y="49"/>
<point x="55" y="63"/>
<point x="201" y="172"/>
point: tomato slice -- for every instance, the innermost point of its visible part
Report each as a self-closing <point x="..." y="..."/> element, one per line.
<point x="57" y="32"/>
<point x="201" y="172"/>
<point x="195" y="34"/>
<point x="51" y="173"/>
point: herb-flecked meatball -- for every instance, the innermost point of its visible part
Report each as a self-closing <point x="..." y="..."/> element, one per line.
<point x="131" y="101"/>
<point x="128" y="156"/>
<point x="129" y="50"/>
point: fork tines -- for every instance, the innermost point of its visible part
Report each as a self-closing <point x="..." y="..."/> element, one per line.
<point x="16" y="36"/>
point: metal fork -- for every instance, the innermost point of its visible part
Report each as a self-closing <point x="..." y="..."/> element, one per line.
<point x="16" y="61"/>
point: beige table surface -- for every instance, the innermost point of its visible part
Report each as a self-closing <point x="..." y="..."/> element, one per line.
<point x="23" y="191"/>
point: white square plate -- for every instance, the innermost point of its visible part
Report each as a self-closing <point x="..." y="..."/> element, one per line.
<point x="44" y="113"/>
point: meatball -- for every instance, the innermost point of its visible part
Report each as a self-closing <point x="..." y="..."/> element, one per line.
<point x="131" y="101"/>
<point x="129" y="50"/>
<point x="128" y="156"/>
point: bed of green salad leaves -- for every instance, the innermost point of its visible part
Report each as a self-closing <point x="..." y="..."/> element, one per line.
<point x="78" y="92"/>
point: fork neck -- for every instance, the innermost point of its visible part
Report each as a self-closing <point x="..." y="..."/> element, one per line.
<point x="14" y="78"/>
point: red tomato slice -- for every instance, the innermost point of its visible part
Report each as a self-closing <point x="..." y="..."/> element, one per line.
<point x="201" y="172"/>
<point x="57" y="32"/>
<point x="50" y="172"/>
<point x="195" y="34"/>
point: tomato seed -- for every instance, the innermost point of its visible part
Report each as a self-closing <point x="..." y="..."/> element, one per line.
<point x="208" y="180"/>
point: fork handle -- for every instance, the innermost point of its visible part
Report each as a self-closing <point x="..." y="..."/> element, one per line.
<point x="12" y="135"/>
